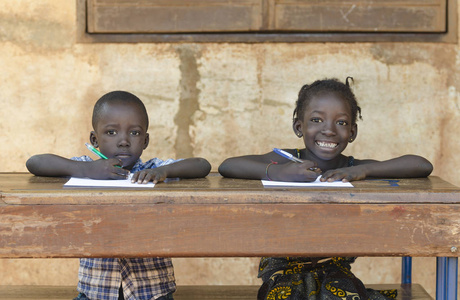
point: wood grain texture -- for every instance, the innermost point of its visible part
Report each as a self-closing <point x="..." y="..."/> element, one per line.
<point x="217" y="217"/>
<point x="405" y="292"/>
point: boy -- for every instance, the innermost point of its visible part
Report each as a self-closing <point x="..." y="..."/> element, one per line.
<point x="120" y="124"/>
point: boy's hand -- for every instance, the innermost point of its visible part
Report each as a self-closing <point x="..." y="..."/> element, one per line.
<point x="345" y="174"/>
<point x="105" y="169"/>
<point x="147" y="175"/>
<point x="293" y="171"/>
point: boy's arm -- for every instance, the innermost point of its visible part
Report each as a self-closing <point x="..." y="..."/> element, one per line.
<point x="407" y="166"/>
<point x="188" y="168"/>
<point x="54" y="165"/>
<point x="268" y="166"/>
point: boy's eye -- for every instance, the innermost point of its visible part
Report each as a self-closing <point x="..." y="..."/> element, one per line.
<point x="135" y="133"/>
<point x="111" y="132"/>
<point x="316" y="120"/>
<point x="341" y="122"/>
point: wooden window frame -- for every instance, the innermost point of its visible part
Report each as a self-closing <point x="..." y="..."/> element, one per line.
<point x="83" y="36"/>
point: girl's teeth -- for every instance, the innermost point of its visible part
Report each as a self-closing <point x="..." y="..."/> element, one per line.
<point x="326" y="145"/>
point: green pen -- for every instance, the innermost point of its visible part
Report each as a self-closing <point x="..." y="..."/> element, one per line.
<point x="97" y="152"/>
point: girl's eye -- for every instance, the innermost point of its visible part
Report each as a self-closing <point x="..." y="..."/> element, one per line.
<point x="135" y="133"/>
<point x="111" y="132"/>
<point x="344" y="123"/>
<point x="316" y="120"/>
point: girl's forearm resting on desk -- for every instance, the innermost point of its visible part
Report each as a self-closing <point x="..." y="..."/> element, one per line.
<point x="269" y="166"/>
<point x="406" y="166"/>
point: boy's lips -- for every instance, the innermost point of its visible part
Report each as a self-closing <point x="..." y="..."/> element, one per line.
<point x="123" y="155"/>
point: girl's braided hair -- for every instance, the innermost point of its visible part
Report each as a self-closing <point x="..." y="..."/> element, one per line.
<point x="326" y="86"/>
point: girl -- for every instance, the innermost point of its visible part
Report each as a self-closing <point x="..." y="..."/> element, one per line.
<point x="325" y="117"/>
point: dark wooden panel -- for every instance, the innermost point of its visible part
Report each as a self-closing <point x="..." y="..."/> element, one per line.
<point x="221" y="292"/>
<point x="360" y="16"/>
<point x="450" y="36"/>
<point x="171" y="16"/>
<point x="230" y="230"/>
<point x="194" y="16"/>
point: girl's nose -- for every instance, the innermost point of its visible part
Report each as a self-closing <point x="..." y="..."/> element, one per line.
<point x="328" y="129"/>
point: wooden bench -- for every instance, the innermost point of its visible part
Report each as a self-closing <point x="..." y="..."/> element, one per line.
<point x="211" y="292"/>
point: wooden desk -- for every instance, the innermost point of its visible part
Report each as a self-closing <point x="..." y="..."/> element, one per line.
<point x="220" y="217"/>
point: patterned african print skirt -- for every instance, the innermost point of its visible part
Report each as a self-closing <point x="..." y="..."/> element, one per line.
<point x="304" y="278"/>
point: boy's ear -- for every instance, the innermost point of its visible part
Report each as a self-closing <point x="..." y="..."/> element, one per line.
<point x="93" y="139"/>
<point x="297" y="127"/>
<point x="354" y="133"/>
<point x="147" y="140"/>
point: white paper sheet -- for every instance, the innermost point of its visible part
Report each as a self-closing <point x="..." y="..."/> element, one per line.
<point x="316" y="183"/>
<point x="123" y="183"/>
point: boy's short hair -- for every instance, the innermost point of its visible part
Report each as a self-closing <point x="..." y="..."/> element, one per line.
<point x="117" y="97"/>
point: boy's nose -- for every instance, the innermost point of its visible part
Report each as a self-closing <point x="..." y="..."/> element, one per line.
<point x="124" y="141"/>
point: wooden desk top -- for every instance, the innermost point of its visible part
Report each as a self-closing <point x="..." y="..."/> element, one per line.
<point x="218" y="216"/>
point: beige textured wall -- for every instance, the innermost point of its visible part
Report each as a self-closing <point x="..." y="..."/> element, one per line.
<point x="215" y="101"/>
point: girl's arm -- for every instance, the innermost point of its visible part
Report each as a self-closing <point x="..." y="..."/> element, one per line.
<point x="268" y="166"/>
<point x="54" y="165"/>
<point x="188" y="168"/>
<point x="407" y="166"/>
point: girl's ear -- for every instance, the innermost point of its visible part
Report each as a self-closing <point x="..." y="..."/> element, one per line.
<point x="354" y="133"/>
<point x="297" y="127"/>
<point x="147" y="140"/>
<point x="93" y="139"/>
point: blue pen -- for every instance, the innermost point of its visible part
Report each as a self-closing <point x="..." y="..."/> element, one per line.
<point x="286" y="155"/>
<point x="290" y="157"/>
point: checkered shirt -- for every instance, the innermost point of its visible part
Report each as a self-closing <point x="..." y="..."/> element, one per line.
<point x="142" y="278"/>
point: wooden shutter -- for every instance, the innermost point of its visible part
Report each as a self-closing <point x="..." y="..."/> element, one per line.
<point x="173" y="16"/>
<point x="358" y="16"/>
<point x="266" y="20"/>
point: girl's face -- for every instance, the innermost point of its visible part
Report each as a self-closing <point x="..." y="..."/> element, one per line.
<point x="326" y="126"/>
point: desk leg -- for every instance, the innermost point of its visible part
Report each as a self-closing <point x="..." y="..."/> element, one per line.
<point x="452" y="278"/>
<point x="446" y="278"/>
<point x="406" y="270"/>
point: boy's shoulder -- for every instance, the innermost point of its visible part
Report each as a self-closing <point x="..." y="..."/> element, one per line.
<point x="81" y="158"/>
<point x="154" y="163"/>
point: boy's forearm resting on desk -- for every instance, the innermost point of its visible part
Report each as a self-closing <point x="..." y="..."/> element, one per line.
<point x="187" y="168"/>
<point x="195" y="167"/>
<point x="54" y="165"/>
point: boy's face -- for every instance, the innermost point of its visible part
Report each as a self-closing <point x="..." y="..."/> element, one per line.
<point x="326" y="126"/>
<point x="121" y="133"/>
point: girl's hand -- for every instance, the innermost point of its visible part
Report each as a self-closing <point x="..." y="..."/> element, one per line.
<point x="345" y="174"/>
<point x="105" y="169"/>
<point x="147" y="175"/>
<point x="293" y="171"/>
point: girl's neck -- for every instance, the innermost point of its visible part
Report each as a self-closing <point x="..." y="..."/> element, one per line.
<point x="340" y="161"/>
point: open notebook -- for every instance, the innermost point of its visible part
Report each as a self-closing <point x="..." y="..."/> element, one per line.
<point x="316" y="183"/>
<point x="122" y="183"/>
